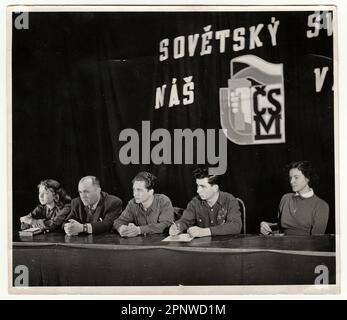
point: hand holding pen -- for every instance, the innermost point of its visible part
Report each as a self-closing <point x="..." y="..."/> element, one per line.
<point x="174" y="229"/>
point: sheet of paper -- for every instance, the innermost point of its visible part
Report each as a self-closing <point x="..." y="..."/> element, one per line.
<point x="33" y="229"/>
<point x="183" y="237"/>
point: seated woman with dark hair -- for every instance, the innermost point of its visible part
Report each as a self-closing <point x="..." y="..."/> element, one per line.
<point x="53" y="208"/>
<point x="301" y="212"/>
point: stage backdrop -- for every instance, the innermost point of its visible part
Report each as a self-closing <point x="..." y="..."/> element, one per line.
<point x="81" y="78"/>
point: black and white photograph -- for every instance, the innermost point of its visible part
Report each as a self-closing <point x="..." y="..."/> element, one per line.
<point x="173" y="149"/>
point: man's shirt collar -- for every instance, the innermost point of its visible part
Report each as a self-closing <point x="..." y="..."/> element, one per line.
<point x="93" y="207"/>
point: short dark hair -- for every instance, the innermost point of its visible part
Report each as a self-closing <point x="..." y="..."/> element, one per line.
<point x="148" y="178"/>
<point x="307" y="170"/>
<point x="201" y="173"/>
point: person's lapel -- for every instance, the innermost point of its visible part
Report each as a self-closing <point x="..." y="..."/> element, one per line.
<point x="98" y="209"/>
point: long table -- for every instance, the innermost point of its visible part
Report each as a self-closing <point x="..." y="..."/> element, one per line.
<point x="55" y="259"/>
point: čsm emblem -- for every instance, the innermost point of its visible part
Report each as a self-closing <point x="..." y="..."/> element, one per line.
<point x="252" y="106"/>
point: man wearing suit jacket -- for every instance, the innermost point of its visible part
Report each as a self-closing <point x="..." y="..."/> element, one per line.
<point x="93" y="211"/>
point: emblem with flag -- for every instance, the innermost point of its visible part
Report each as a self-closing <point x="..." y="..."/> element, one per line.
<point x="252" y="106"/>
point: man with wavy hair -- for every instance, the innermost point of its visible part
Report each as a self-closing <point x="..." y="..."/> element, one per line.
<point x="147" y="212"/>
<point x="211" y="212"/>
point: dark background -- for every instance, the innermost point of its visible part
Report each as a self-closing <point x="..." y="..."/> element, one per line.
<point x="80" y="78"/>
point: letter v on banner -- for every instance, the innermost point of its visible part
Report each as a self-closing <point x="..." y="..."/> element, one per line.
<point x="252" y="106"/>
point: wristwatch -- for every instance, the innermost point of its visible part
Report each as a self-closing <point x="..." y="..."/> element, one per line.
<point x="85" y="228"/>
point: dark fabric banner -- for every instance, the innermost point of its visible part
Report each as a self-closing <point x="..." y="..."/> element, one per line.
<point x="81" y="78"/>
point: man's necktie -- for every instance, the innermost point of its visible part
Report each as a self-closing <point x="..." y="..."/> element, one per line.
<point x="90" y="213"/>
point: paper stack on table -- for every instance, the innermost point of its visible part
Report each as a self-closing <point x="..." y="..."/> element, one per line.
<point x="29" y="232"/>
